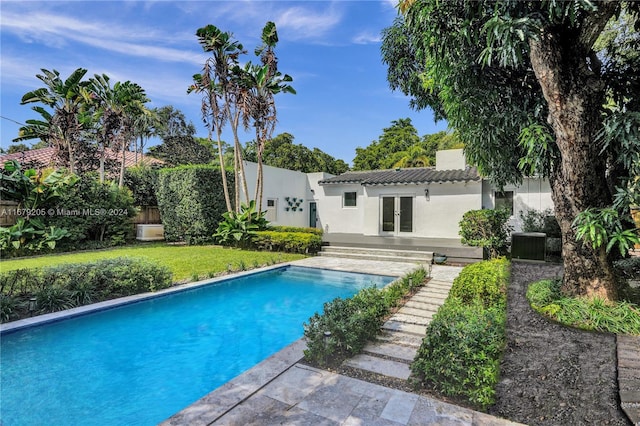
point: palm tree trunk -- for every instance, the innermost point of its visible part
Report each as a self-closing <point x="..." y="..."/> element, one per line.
<point x="225" y="185"/>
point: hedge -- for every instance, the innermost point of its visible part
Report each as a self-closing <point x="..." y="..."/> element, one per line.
<point x="191" y="202"/>
<point x="461" y="352"/>
<point x="69" y="285"/>
<point x="282" y="228"/>
<point x="294" y="242"/>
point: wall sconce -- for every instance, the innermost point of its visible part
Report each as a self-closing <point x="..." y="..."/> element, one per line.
<point x="426" y="193"/>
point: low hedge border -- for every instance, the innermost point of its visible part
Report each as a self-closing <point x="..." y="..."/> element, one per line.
<point x="460" y="355"/>
<point x="346" y="325"/>
<point x="287" y="241"/>
<point x="281" y="228"/>
<point x="67" y="286"/>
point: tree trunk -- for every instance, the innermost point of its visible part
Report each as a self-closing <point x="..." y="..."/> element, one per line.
<point x="225" y="185"/>
<point x="575" y="95"/>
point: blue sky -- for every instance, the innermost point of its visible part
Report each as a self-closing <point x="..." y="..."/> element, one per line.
<point x="330" y="48"/>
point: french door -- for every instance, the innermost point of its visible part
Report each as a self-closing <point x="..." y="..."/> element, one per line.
<point x="397" y="214"/>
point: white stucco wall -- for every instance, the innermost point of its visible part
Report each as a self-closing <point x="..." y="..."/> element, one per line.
<point x="279" y="184"/>
<point x="435" y="216"/>
<point x="533" y="194"/>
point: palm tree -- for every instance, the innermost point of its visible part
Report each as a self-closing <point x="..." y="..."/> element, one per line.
<point x="117" y="109"/>
<point x="415" y="156"/>
<point x="218" y="103"/>
<point x="259" y="85"/>
<point x="68" y="99"/>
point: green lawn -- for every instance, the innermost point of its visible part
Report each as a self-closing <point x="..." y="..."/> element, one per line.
<point x="184" y="261"/>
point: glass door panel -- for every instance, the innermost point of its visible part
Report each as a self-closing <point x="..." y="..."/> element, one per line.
<point x="406" y="214"/>
<point x="388" y="214"/>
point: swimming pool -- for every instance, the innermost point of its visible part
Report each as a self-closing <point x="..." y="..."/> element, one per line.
<point x="140" y="363"/>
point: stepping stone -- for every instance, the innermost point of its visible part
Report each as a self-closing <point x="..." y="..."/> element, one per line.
<point x="434" y="290"/>
<point x="400" y="338"/>
<point x="393" y="350"/>
<point x="420" y="330"/>
<point x="425" y="313"/>
<point x="410" y="319"/>
<point x="431" y="307"/>
<point x="386" y="367"/>
<point x="429" y="298"/>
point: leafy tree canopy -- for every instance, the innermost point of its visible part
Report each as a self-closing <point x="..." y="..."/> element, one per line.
<point x="282" y="152"/>
<point x="533" y="87"/>
<point x="400" y="146"/>
<point x="185" y="149"/>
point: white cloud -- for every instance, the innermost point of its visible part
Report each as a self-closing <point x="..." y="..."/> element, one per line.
<point x="58" y="31"/>
<point x="367" y="38"/>
<point x="306" y="23"/>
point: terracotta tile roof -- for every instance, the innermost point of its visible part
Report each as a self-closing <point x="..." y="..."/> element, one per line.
<point x="417" y="175"/>
<point x="46" y="157"/>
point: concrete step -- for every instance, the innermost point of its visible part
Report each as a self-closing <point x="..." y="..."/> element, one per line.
<point x="374" y="364"/>
<point x="379" y="251"/>
<point x="410" y="319"/>
<point x="420" y="330"/>
<point x="425" y="306"/>
<point x="424" y="313"/>
<point x="400" y="338"/>
<point x="405" y="353"/>
<point x="432" y="298"/>
<point x="430" y="289"/>
<point x="374" y="257"/>
<point x="407" y="256"/>
<point x="438" y="286"/>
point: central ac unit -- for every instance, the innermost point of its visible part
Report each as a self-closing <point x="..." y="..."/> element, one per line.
<point x="529" y="246"/>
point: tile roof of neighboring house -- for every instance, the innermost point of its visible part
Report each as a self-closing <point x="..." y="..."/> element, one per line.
<point x="46" y="156"/>
<point x="418" y="175"/>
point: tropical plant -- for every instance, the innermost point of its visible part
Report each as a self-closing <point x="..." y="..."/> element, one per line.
<point x="69" y="100"/>
<point x="258" y="86"/>
<point x="239" y="229"/>
<point x="218" y="102"/>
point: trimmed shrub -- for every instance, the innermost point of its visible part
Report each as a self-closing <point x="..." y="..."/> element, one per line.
<point x="460" y="354"/>
<point x="485" y="282"/>
<point x="280" y="228"/>
<point x="487" y="229"/>
<point x="354" y="321"/>
<point x="66" y="286"/>
<point x="191" y="202"/>
<point x="295" y="242"/>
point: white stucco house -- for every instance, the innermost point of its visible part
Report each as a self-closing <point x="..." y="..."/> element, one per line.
<point x="415" y="202"/>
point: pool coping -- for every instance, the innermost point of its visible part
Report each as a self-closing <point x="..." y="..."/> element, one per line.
<point x="226" y="397"/>
<point x="128" y="300"/>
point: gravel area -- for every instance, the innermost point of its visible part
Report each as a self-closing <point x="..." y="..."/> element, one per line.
<point x="551" y="374"/>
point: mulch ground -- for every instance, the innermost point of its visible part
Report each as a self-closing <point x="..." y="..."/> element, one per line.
<point x="551" y="374"/>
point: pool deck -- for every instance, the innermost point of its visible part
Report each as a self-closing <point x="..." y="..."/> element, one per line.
<point x="282" y="391"/>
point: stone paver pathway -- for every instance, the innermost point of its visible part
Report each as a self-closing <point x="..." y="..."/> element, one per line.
<point x="402" y="335"/>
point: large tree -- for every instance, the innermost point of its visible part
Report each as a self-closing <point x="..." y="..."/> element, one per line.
<point x="280" y="151"/>
<point x="526" y="88"/>
<point x="63" y="127"/>
<point x="400" y="136"/>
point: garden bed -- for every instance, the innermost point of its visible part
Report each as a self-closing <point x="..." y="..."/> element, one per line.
<point x="551" y="374"/>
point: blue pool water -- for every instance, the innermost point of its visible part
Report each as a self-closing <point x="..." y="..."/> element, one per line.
<point x="140" y="363"/>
